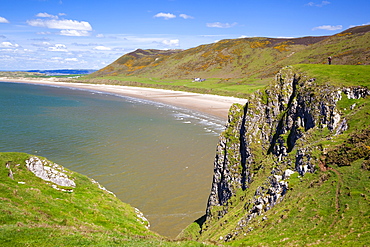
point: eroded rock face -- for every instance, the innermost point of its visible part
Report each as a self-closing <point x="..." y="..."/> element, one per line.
<point x="272" y="122"/>
<point x="49" y="172"/>
<point x="356" y="92"/>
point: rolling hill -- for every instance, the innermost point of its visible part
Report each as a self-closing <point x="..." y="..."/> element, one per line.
<point x="243" y="60"/>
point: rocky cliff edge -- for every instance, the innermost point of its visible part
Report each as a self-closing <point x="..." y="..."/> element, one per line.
<point x="293" y="128"/>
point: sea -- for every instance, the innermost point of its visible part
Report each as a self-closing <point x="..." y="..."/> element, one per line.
<point x="155" y="157"/>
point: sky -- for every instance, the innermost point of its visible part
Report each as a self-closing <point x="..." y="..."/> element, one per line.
<point x="91" y="34"/>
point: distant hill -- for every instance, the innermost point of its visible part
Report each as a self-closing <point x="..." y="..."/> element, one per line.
<point x="242" y="59"/>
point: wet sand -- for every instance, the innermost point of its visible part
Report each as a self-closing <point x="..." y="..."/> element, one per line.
<point x="210" y="104"/>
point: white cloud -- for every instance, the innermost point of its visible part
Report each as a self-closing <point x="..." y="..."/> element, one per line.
<point x="8" y="45"/>
<point x="100" y="35"/>
<point x="171" y="42"/>
<point x="86" y="44"/>
<point x="61" y="24"/>
<point x="71" y="59"/>
<point x="166" y="16"/>
<point x="58" y="47"/>
<point x="186" y="16"/>
<point x="221" y="25"/>
<point x="328" y="27"/>
<point x="46" y="15"/>
<point x="42" y="44"/>
<point x="3" y="20"/>
<point x="323" y="3"/>
<point x="360" y="25"/>
<point x="44" y="33"/>
<point x="102" y="48"/>
<point x="120" y="49"/>
<point x="78" y="33"/>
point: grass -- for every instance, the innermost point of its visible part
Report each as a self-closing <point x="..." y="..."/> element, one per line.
<point x="338" y="75"/>
<point x="310" y="215"/>
<point x="35" y="214"/>
<point x="327" y="208"/>
<point x="356" y="111"/>
<point x="217" y="86"/>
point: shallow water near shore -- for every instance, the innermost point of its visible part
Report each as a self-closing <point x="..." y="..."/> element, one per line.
<point x="155" y="157"/>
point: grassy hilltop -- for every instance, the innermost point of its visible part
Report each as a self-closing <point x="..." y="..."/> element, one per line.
<point x="233" y="67"/>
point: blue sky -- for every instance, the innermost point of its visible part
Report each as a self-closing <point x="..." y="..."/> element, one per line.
<point x="90" y="34"/>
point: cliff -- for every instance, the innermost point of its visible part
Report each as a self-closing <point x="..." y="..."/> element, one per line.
<point x="285" y="165"/>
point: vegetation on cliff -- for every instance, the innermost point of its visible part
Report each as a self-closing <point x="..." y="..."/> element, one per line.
<point x="292" y="167"/>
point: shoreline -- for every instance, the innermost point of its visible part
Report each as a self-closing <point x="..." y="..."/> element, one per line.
<point x="214" y="105"/>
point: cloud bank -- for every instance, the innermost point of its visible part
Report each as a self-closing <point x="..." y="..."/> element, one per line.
<point x="3" y="20"/>
<point x="328" y="27"/>
<point x="166" y="16"/>
<point x="67" y="27"/>
<point x="171" y="42"/>
<point x="186" y="16"/>
<point x="221" y="25"/>
<point x="61" y="24"/>
<point x="8" y="45"/>
<point x="102" y="48"/>
<point x="323" y="3"/>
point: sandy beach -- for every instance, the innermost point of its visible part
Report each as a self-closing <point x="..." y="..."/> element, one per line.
<point x="210" y="104"/>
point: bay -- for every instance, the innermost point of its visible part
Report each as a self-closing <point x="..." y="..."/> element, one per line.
<point x="156" y="157"/>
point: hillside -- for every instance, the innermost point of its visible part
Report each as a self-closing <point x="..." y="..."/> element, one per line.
<point x="235" y="66"/>
<point x="291" y="169"/>
<point x="292" y="166"/>
<point x="44" y="204"/>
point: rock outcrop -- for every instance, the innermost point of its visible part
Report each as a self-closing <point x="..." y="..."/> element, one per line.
<point x="51" y="172"/>
<point x="272" y="125"/>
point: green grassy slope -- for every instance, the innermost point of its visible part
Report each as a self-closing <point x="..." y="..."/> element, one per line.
<point x="233" y="67"/>
<point x="330" y="207"/>
<point x="35" y="214"/>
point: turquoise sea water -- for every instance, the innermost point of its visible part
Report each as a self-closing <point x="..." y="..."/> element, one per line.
<point x="155" y="157"/>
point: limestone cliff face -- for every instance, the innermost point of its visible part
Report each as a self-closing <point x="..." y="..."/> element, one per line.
<point x="272" y="125"/>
